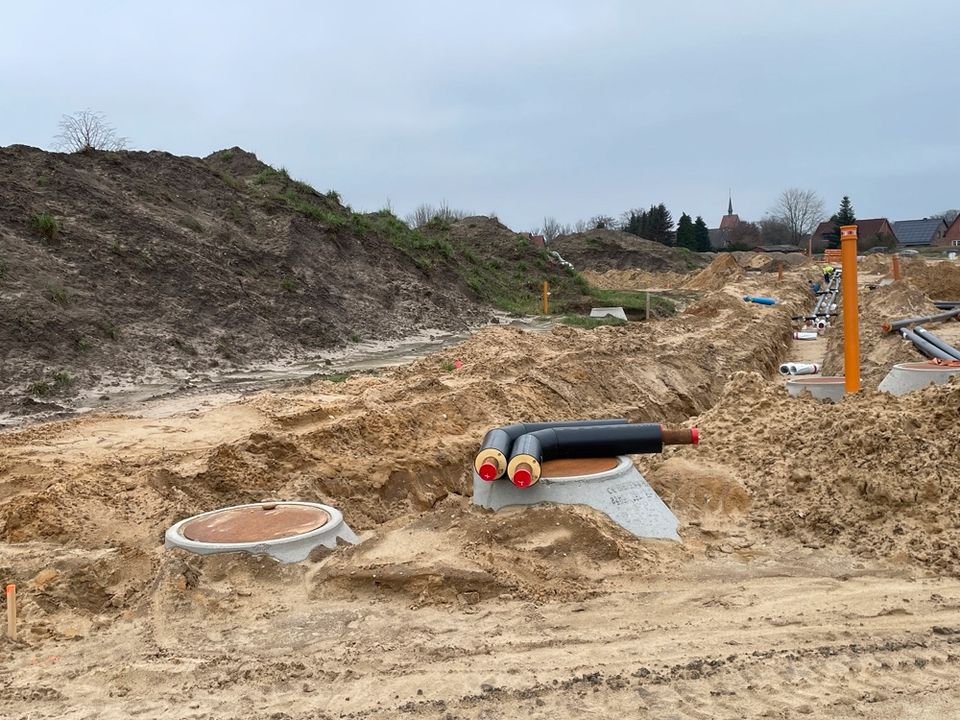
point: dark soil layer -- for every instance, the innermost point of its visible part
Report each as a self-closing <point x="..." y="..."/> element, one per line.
<point x="128" y="264"/>
<point x="614" y="250"/>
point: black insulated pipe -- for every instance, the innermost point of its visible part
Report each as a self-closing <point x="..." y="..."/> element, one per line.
<point x="530" y="451"/>
<point x="491" y="461"/>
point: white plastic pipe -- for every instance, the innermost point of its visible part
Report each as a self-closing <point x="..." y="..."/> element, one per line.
<point x="804" y="336"/>
<point x="804" y="368"/>
<point x="785" y="369"/>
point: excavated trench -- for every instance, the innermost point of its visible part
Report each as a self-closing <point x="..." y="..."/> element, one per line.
<point x="381" y="449"/>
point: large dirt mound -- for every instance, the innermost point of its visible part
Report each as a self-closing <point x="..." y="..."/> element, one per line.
<point x="877" y="474"/>
<point x="634" y="279"/>
<point x="939" y="280"/>
<point x="503" y="267"/>
<point x="769" y="261"/>
<point x="723" y="271"/>
<point x="601" y="250"/>
<point x="116" y="263"/>
<point x="879" y="350"/>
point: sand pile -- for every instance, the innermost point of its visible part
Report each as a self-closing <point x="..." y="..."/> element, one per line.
<point x="635" y="279"/>
<point x="879" y="351"/>
<point x="874" y="264"/>
<point x="769" y="262"/>
<point x="876" y="474"/>
<point x="382" y="449"/>
<point x="939" y="280"/>
<point x="466" y="554"/>
<point x="719" y="273"/>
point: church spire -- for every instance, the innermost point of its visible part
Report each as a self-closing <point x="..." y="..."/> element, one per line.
<point x="730" y="205"/>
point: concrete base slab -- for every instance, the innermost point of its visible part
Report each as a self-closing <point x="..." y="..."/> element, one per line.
<point x="906" y="377"/>
<point x="822" y="388"/>
<point x="621" y="493"/>
<point x="616" y="312"/>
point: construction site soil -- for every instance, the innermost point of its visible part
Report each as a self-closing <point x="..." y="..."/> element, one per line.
<point x="818" y="573"/>
<point x="129" y="267"/>
<point x="600" y="250"/>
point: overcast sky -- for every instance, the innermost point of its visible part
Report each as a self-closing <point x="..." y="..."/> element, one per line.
<point x="528" y="108"/>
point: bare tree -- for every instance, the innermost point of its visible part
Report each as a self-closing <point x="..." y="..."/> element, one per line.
<point x="602" y="222"/>
<point x="581" y="226"/>
<point x="426" y="212"/>
<point x="87" y="130"/>
<point x="801" y="211"/>
<point x="773" y="231"/>
<point x="551" y="229"/>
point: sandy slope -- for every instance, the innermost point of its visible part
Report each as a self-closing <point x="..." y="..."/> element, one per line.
<point x="816" y="578"/>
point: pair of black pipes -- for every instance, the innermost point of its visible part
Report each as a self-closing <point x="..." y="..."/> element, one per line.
<point x="520" y="450"/>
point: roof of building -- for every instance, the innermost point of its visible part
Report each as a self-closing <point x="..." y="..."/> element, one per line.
<point x="954" y="229"/>
<point x="778" y="248"/>
<point x="865" y="228"/>
<point x="729" y="221"/>
<point x="917" y="232"/>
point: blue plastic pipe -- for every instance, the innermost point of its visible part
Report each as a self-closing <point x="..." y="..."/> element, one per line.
<point x="759" y="300"/>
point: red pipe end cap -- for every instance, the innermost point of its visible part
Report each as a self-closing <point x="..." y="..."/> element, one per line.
<point x="695" y="436"/>
<point x="488" y="471"/>
<point x="522" y="478"/>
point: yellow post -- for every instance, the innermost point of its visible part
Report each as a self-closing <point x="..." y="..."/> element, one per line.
<point x="546" y="293"/>
<point x="851" y="322"/>
<point x="895" y="261"/>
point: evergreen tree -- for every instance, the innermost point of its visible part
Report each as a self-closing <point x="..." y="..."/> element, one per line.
<point x="686" y="234"/>
<point x="701" y="235"/>
<point x="845" y="216"/>
<point x="659" y="224"/>
<point x="636" y="223"/>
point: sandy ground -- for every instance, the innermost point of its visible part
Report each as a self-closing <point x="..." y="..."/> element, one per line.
<point x="818" y="575"/>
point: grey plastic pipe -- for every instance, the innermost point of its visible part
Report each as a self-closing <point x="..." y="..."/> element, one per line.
<point x="938" y="342"/>
<point x="928" y="349"/>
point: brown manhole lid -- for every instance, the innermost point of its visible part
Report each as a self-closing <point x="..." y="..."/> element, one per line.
<point x="572" y="467"/>
<point x="256" y="523"/>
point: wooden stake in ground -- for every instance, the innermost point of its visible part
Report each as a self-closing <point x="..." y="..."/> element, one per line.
<point x="646" y="306"/>
<point x="12" y="611"/>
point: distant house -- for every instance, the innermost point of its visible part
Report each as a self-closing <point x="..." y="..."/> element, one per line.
<point x="868" y="232"/>
<point x="921" y="233"/>
<point x="952" y="235"/>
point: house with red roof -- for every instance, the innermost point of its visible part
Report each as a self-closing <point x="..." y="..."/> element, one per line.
<point x="869" y="233"/>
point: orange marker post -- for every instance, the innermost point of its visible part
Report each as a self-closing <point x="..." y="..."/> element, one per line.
<point x="546" y="302"/>
<point x="780" y="271"/>
<point x="895" y="263"/>
<point x="12" y="611"/>
<point x="851" y="321"/>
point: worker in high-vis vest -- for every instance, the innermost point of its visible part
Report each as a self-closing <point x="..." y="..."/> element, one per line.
<point x="827" y="273"/>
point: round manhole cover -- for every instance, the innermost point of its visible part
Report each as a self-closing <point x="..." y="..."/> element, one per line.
<point x="257" y="523"/>
<point x="574" y="467"/>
